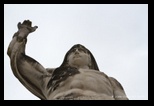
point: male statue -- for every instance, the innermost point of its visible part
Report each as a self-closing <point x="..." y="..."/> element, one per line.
<point x="77" y="78"/>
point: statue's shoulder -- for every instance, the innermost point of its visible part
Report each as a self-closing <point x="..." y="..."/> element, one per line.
<point x="115" y="83"/>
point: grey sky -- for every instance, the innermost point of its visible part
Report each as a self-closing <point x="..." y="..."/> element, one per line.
<point x="116" y="34"/>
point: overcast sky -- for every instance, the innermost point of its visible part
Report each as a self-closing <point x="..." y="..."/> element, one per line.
<point x="116" y="34"/>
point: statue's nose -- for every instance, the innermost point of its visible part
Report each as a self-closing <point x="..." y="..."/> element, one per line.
<point x="76" y="51"/>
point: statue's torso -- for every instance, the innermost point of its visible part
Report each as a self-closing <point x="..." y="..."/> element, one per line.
<point x="87" y="84"/>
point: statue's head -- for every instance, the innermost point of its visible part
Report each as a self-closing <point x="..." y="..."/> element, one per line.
<point x="79" y="55"/>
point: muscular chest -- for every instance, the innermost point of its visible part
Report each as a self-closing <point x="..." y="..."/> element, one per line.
<point x="88" y="80"/>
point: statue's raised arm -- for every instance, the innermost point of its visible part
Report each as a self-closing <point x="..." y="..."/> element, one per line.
<point x="29" y="72"/>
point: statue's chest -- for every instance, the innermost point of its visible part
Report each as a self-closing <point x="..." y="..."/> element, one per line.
<point x="90" y="80"/>
<point x="60" y="75"/>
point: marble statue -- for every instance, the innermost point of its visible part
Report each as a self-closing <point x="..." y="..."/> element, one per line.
<point x="77" y="78"/>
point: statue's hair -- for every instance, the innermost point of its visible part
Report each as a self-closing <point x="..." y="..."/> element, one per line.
<point x="93" y="61"/>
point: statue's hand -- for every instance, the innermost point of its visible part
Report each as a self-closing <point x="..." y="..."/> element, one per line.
<point x="24" y="29"/>
<point x="26" y="26"/>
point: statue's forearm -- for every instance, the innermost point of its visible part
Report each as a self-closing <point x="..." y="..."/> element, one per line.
<point x="17" y="44"/>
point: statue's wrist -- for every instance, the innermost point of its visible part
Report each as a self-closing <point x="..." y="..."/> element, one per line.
<point x="21" y="34"/>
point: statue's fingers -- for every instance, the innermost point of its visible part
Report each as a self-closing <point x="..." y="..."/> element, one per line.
<point x="27" y="22"/>
<point x="34" y="28"/>
<point x="19" y="25"/>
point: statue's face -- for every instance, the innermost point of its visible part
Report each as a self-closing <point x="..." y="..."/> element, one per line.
<point x="78" y="57"/>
